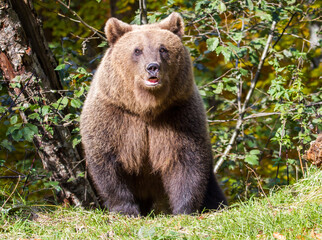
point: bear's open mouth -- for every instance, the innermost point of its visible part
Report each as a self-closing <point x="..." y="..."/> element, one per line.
<point x="152" y="81"/>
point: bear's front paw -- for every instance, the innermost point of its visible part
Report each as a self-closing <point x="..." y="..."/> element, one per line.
<point x="126" y="209"/>
<point x="185" y="208"/>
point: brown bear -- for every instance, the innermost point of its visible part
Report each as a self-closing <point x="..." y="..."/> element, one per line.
<point x="144" y="127"/>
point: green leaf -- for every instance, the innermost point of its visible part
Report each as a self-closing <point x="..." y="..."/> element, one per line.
<point x="76" y="103"/>
<point x="2" y="109"/>
<point x="243" y="72"/>
<point x="317" y="121"/>
<point x="71" y="179"/>
<point x="80" y="174"/>
<point x="14" y="119"/>
<point x="152" y="19"/>
<point x="102" y="44"/>
<point x="45" y="110"/>
<point x="170" y="2"/>
<point x="34" y="116"/>
<point x="8" y="145"/>
<point x="67" y="117"/>
<point x="53" y="184"/>
<point x="232" y="46"/>
<point x="202" y="93"/>
<point x="227" y="53"/>
<point x="82" y="71"/>
<point x="287" y="53"/>
<point x="219" y="49"/>
<point x="2" y="162"/>
<point x="49" y="129"/>
<point x="219" y="88"/>
<point x="230" y="88"/>
<point x="212" y="43"/>
<point x="263" y="15"/>
<point x="251" y="159"/>
<point x="32" y="127"/>
<point x="13" y="128"/>
<point x="61" y="103"/>
<point x="60" y="67"/>
<point x="33" y="107"/>
<point x="17" y="135"/>
<point x="277" y="161"/>
<point x="250" y="5"/>
<point x="300" y="110"/>
<point x="76" y="130"/>
<point x="291" y="161"/>
<point x="238" y="36"/>
<point x="198" y="6"/>
<point x="80" y="92"/>
<point x="221" y="7"/>
<point x="255" y="152"/>
<point x="253" y="58"/>
<point x="224" y="51"/>
<point x="76" y="140"/>
<point x="64" y="102"/>
<point x="28" y="134"/>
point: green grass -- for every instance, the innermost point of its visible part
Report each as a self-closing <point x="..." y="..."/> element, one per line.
<point x="293" y="212"/>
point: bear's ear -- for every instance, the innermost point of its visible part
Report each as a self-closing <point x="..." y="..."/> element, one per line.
<point x="174" y="23"/>
<point x="114" y="29"/>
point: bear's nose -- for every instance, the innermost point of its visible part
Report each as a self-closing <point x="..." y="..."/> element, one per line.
<point x="153" y="68"/>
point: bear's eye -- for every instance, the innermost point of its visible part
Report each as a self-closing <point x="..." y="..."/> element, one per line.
<point x="137" y="52"/>
<point x="163" y="50"/>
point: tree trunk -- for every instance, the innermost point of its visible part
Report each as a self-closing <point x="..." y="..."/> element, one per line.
<point x="24" y="52"/>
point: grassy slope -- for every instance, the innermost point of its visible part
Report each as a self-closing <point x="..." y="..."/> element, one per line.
<point x="291" y="213"/>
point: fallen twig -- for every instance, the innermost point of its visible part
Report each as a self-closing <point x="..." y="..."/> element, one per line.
<point x="10" y="194"/>
<point x="260" y="185"/>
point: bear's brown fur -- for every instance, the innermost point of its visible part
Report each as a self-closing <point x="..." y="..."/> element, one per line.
<point x="143" y="124"/>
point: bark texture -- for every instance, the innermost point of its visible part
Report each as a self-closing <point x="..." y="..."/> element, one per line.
<point x="26" y="58"/>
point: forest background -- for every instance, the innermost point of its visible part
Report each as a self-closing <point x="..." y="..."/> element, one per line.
<point x="257" y="65"/>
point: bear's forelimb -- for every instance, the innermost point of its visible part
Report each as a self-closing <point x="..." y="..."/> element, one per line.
<point x="185" y="188"/>
<point x="114" y="193"/>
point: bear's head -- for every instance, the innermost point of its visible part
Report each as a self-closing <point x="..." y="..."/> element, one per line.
<point x="147" y="67"/>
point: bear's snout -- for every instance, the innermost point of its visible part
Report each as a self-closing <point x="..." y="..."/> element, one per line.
<point x="153" y="69"/>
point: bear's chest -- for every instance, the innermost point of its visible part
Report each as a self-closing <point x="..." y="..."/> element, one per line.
<point x="143" y="147"/>
<point x="132" y="143"/>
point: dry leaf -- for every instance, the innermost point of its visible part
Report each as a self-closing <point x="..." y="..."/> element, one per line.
<point x="300" y="237"/>
<point x="279" y="236"/>
<point x="314" y="154"/>
<point x="261" y="236"/>
<point x="315" y="235"/>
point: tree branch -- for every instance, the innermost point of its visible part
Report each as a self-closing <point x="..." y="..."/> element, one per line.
<point x="262" y="114"/>
<point x="240" y="82"/>
<point x="248" y="96"/>
<point x="82" y="21"/>
<point x="143" y="12"/>
<point x="256" y="115"/>
<point x="287" y="25"/>
<point x="215" y="80"/>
